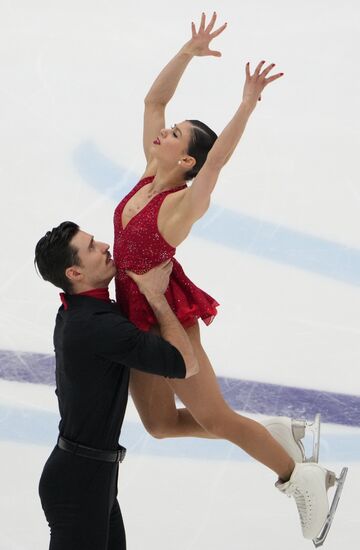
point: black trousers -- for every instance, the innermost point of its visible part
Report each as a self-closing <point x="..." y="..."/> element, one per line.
<point x="78" y="496"/>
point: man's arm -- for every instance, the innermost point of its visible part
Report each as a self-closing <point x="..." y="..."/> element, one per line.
<point x="153" y="285"/>
<point x="172" y="331"/>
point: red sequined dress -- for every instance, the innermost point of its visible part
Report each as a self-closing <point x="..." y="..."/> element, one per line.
<point x="139" y="247"/>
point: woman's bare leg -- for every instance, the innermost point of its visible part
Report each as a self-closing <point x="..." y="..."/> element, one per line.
<point x="203" y="399"/>
<point x="154" y="400"/>
<point x="206" y="413"/>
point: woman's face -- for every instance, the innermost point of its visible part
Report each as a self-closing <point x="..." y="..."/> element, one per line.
<point x="171" y="145"/>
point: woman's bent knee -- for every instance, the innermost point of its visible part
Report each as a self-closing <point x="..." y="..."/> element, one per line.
<point x="159" y="428"/>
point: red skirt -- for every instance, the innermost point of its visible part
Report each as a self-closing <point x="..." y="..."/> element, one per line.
<point x="188" y="302"/>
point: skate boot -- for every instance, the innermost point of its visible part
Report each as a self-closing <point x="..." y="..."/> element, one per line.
<point x="308" y="485"/>
<point x="289" y="432"/>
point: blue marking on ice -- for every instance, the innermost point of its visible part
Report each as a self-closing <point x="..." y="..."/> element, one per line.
<point x="36" y="427"/>
<point x="242" y="395"/>
<point x="280" y="244"/>
<point x="101" y="172"/>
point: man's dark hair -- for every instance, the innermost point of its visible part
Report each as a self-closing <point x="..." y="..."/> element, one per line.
<point x="201" y="141"/>
<point x="54" y="254"/>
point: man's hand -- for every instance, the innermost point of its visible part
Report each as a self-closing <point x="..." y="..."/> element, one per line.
<point x="153" y="283"/>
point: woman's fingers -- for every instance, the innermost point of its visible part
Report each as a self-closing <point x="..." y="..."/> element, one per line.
<point x="214" y="53"/>
<point x="193" y="29"/>
<point x="272" y="78"/>
<point x="263" y="74"/>
<point x="218" y="31"/>
<point x="258" y="68"/>
<point x="256" y="82"/>
<point x="267" y="69"/>
<point x="207" y="30"/>
<point x="211" y="24"/>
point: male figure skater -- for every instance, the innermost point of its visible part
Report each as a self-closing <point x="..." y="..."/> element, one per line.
<point x="95" y="348"/>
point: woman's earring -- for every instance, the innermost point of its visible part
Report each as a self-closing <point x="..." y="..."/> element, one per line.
<point x="179" y="161"/>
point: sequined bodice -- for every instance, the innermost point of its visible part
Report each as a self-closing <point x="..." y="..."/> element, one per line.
<point x="140" y="246"/>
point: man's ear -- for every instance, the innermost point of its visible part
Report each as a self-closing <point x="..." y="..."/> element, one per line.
<point x="74" y="274"/>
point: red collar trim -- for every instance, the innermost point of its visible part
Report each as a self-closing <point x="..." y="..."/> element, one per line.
<point x="99" y="293"/>
<point x="63" y="300"/>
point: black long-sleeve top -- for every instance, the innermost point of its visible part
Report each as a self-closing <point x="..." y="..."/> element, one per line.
<point x="95" y="348"/>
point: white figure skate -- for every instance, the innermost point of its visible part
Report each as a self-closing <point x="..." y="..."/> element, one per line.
<point x="308" y="485"/>
<point x="289" y="432"/>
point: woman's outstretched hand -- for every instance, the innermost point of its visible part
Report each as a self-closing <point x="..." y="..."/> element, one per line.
<point x="198" y="45"/>
<point x="255" y="83"/>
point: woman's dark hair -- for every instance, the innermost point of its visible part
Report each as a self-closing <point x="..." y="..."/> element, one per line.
<point x="54" y="254"/>
<point x="201" y="141"/>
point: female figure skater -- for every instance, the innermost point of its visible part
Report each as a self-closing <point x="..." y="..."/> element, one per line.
<point x="150" y="222"/>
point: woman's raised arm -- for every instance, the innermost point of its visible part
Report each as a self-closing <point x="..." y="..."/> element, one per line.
<point x="196" y="200"/>
<point x="166" y="83"/>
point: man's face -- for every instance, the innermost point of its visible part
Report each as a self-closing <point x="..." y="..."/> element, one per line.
<point x="97" y="267"/>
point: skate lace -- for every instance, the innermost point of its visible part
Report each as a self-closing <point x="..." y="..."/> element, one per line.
<point x="303" y="504"/>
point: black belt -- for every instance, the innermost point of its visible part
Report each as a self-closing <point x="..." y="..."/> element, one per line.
<point x="88" y="452"/>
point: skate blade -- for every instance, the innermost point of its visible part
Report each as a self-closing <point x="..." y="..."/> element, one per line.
<point x="315" y="427"/>
<point x="299" y="427"/>
<point x="320" y="539"/>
